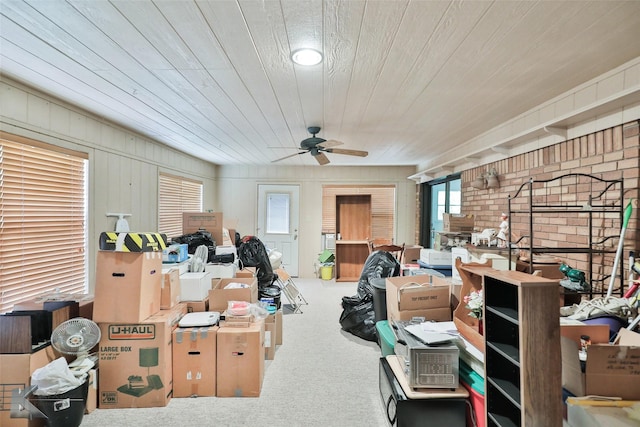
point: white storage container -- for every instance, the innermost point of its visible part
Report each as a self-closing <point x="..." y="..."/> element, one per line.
<point x="221" y="271"/>
<point x="433" y="257"/>
<point x="194" y="286"/>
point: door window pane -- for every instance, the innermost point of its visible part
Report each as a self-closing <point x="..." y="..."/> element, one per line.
<point x="278" y="213"/>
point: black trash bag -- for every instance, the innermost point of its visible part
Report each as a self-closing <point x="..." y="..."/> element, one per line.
<point x="358" y="315"/>
<point x="379" y="264"/>
<point x="193" y="240"/>
<point x="252" y="253"/>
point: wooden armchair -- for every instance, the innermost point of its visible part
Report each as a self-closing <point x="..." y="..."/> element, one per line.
<point x="396" y="250"/>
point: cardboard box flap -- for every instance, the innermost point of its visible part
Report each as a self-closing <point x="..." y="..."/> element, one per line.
<point x="627" y="337"/>
<point x="572" y="377"/>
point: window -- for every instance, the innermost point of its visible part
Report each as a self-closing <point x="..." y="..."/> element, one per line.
<point x="177" y="195"/>
<point x="43" y="223"/>
<point x="278" y="213"/>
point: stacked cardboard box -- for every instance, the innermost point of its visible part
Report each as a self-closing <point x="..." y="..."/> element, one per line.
<point x="135" y="350"/>
<point x="235" y="289"/>
<point x="15" y="374"/>
<point x="136" y="361"/>
<point x="240" y="360"/>
<point x="128" y="286"/>
<point x="457" y="222"/>
<point x="194" y="361"/>
<point x="170" y="291"/>
<point x="418" y="296"/>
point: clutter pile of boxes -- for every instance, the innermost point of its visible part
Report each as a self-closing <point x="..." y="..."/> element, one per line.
<point x="147" y="357"/>
<point x="143" y="290"/>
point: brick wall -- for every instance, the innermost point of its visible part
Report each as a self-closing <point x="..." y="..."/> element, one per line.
<point x="608" y="154"/>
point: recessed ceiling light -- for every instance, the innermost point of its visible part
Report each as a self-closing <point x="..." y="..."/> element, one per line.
<point x="306" y="57"/>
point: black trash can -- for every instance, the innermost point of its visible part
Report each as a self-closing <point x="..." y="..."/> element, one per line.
<point x="271" y="292"/>
<point x="63" y="410"/>
<point x="379" y="286"/>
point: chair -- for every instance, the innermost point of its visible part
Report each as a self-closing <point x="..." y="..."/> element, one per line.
<point x="396" y="250"/>
<point x="290" y="290"/>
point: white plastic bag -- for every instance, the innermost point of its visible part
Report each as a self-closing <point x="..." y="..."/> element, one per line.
<point x="54" y="378"/>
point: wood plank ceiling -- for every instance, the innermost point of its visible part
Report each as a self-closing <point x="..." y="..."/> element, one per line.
<point x="403" y="80"/>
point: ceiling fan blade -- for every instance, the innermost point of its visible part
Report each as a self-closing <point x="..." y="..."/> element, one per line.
<point x="290" y="155"/>
<point x="329" y="143"/>
<point x="321" y="158"/>
<point x="348" y="152"/>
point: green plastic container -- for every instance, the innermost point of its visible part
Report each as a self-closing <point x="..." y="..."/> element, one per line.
<point x="471" y="377"/>
<point x="386" y="338"/>
<point x="326" y="256"/>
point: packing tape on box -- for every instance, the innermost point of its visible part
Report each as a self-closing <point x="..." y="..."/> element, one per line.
<point x="132" y="242"/>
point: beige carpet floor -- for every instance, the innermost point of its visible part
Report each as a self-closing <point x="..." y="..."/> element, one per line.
<point x="321" y="376"/>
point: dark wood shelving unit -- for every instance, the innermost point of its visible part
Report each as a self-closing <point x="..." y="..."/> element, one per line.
<point x="522" y="350"/>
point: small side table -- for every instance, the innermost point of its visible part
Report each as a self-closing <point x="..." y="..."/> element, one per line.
<point x="408" y="407"/>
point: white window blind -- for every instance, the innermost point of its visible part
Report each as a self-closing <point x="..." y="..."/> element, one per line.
<point x="42" y="220"/>
<point x="177" y="195"/>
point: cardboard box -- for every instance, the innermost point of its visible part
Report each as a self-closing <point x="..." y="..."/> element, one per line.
<point x="136" y="361"/>
<point x="410" y="293"/>
<point x="15" y="373"/>
<point x="232" y="235"/>
<point x="219" y="296"/>
<point x="418" y="292"/>
<point x="209" y="221"/>
<point x="240" y="361"/>
<point x="128" y="286"/>
<point x="270" y="336"/>
<point x="194" y="286"/>
<point x="598" y="413"/>
<point x="198" y="306"/>
<point x="177" y="252"/>
<point x="457" y="222"/>
<point x="235" y="321"/>
<point x="611" y="370"/>
<point x="434" y="314"/>
<point x="132" y="242"/>
<point x="92" y="393"/>
<point x="279" y="327"/>
<point x="170" y="291"/>
<point x="194" y="361"/>
<point x="411" y="254"/>
<point x="246" y="273"/>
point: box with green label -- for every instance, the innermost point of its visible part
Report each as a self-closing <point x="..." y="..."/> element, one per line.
<point x="136" y="361"/>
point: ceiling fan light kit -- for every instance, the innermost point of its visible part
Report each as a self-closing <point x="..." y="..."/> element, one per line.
<point x="319" y="146"/>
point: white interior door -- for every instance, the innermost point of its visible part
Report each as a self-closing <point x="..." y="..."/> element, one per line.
<point x="278" y="221"/>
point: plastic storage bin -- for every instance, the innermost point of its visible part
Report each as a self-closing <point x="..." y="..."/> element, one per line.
<point x="474" y="384"/>
<point x="386" y="338"/>
<point x="443" y="269"/>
